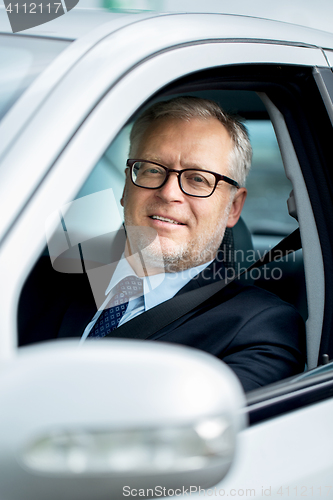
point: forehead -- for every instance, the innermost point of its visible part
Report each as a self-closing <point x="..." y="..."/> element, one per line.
<point x="196" y="140"/>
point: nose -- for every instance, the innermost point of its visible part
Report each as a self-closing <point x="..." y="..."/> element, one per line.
<point x="171" y="190"/>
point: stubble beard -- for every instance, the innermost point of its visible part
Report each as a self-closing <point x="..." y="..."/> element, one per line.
<point x="162" y="253"/>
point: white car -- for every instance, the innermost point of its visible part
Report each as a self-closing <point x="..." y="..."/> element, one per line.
<point x="125" y="418"/>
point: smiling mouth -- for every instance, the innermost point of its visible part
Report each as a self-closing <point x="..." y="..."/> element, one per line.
<point x="165" y="219"/>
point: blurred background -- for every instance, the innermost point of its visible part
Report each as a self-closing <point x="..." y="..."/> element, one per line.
<point x="314" y="14"/>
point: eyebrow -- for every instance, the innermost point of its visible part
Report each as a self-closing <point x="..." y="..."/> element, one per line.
<point x="157" y="159"/>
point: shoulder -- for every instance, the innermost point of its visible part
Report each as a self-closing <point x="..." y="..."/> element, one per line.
<point x="249" y="299"/>
<point x="254" y="317"/>
<point x="268" y="341"/>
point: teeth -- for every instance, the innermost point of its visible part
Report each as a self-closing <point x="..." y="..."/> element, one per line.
<point x="157" y="217"/>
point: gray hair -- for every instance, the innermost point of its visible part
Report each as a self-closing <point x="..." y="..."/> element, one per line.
<point x="185" y="108"/>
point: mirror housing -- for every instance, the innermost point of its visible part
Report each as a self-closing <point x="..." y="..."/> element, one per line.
<point x="105" y="419"/>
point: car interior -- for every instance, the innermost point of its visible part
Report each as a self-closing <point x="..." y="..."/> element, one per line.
<point x="266" y="219"/>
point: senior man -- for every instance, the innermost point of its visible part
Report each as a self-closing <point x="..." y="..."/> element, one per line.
<point x="184" y="186"/>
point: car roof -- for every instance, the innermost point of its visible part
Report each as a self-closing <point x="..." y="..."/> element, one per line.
<point x="79" y="22"/>
<point x="74" y="24"/>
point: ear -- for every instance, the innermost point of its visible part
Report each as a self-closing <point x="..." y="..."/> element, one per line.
<point x="236" y="207"/>
<point x="122" y="199"/>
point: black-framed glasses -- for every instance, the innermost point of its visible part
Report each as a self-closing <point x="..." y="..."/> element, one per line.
<point x="192" y="181"/>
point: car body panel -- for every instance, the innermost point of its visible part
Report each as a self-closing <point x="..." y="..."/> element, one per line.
<point x="287" y="452"/>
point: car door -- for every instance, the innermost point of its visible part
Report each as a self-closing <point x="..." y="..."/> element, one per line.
<point x="86" y="112"/>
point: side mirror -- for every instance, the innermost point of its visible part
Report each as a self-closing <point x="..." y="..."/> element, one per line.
<point x="109" y="418"/>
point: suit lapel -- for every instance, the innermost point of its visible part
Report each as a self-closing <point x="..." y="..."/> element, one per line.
<point x="212" y="273"/>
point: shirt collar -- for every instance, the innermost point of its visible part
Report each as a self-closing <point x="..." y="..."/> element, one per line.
<point x="159" y="287"/>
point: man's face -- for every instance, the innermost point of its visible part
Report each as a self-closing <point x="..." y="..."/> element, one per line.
<point x="200" y="222"/>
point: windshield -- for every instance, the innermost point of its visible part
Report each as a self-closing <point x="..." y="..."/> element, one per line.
<point x="22" y="59"/>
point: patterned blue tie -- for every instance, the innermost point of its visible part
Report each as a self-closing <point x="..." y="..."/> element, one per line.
<point x="116" y="308"/>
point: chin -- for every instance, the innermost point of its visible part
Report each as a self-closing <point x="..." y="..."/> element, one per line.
<point x="178" y="257"/>
<point x="166" y="255"/>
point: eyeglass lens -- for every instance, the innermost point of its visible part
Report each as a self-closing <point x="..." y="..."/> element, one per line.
<point x="193" y="182"/>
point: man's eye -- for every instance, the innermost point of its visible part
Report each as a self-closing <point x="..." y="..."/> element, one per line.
<point x="149" y="170"/>
<point x="197" y="179"/>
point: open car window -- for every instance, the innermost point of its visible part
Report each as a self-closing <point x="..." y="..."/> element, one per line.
<point x="82" y="236"/>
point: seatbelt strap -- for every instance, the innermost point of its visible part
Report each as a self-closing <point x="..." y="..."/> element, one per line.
<point x="147" y="324"/>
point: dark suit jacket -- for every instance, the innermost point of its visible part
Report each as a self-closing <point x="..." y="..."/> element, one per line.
<point x="258" y="335"/>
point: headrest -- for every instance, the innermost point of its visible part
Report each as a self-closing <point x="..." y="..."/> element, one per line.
<point x="237" y="248"/>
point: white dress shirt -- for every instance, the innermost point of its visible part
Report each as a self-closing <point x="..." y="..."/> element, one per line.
<point x="156" y="289"/>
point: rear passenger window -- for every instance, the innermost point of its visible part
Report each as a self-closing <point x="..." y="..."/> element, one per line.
<point x="266" y="210"/>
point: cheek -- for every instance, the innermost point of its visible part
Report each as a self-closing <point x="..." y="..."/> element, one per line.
<point x="125" y="196"/>
<point x="135" y="200"/>
<point x="222" y="206"/>
<point x="209" y="214"/>
<point x="130" y="196"/>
